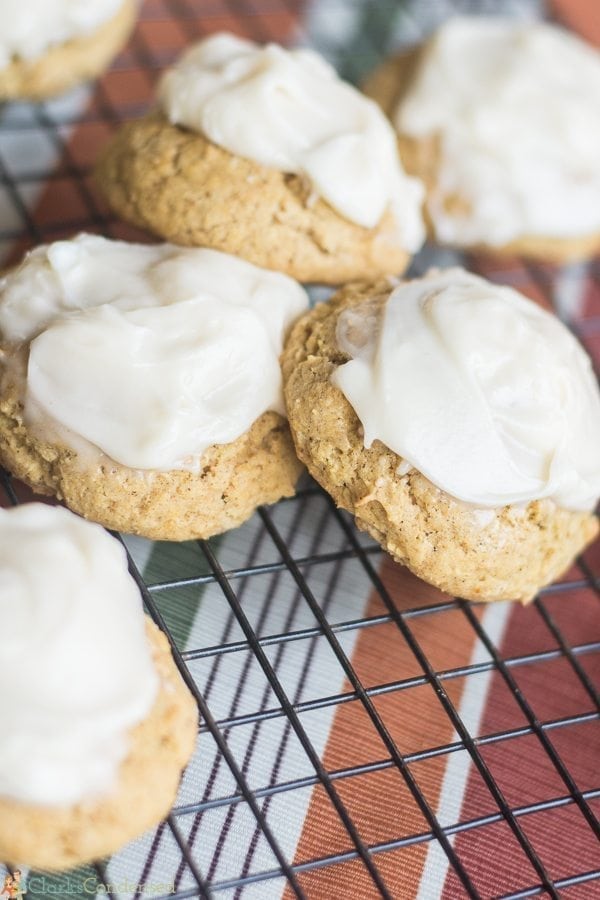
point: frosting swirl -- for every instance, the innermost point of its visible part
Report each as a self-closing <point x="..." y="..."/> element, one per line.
<point x="514" y="107"/>
<point x="176" y="351"/>
<point x="481" y="390"/>
<point x="77" y="669"/>
<point x="287" y="109"/>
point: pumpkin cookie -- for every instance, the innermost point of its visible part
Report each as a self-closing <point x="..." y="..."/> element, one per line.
<point x="497" y="118"/>
<point x="466" y="498"/>
<point x="151" y="401"/>
<point x="308" y="182"/>
<point x="86" y="740"/>
<point x="48" y="46"/>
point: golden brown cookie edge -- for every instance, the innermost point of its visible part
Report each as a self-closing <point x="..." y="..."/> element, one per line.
<point x="183" y="188"/>
<point x="257" y="468"/>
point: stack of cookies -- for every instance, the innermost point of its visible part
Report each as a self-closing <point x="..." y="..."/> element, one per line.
<point x="168" y="390"/>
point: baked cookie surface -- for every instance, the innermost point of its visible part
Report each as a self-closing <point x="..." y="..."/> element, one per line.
<point x="389" y="85"/>
<point x="61" y="838"/>
<point x="65" y="65"/>
<point x="503" y="554"/>
<point x="182" y="187"/>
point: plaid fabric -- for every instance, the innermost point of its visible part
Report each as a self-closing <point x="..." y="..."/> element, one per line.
<point x="363" y="735"/>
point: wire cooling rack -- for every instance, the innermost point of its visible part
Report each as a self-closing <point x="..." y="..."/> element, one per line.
<point x="361" y="734"/>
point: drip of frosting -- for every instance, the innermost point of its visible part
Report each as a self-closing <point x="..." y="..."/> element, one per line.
<point x="514" y="109"/>
<point x="30" y="29"/>
<point x="149" y="353"/>
<point x="77" y="668"/>
<point x="287" y="109"/>
<point x="485" y="393"/>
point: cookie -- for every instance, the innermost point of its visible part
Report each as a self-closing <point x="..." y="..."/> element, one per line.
<point x="55" y="839"/>
<point x="217" y="395"/>
<point x="507" y="552"/>
<point x="167" y="175"/>
<point x="62" y="66"/>
<point x="545" y="202"/>
<point x="92" y="757"/>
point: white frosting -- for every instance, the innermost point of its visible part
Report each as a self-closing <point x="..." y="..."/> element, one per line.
<point x="287" y="109"/>
<point x="31" y="27"/>
<point x="77" y="672"/>
<point x="481" y="390"/>
<point x="178" y="348"/>
<point x="515" y="106"/>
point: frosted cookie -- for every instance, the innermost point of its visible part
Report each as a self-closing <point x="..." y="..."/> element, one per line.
<point x="266" y="153"/>
<point x="458" y="422"/>
<point x="500" y="120"/>
<point x="141" y="384"/>
<point x="47" y="46"/>
<point x="98" y="722"/>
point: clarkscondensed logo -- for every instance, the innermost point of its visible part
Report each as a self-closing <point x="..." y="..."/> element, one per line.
<point x="73" y="885"/>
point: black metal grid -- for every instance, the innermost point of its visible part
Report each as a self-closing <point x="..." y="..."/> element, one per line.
<point x="233" y="582"/>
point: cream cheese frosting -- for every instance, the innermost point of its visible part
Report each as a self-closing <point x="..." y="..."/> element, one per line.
<point x="514" y="107"/>
<point x="31" y="28"/>
<point x="77" y="668"/>
<point x="479" y="389"/>
<point x="149" y="353"/>
<point x="287" y="109"/>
